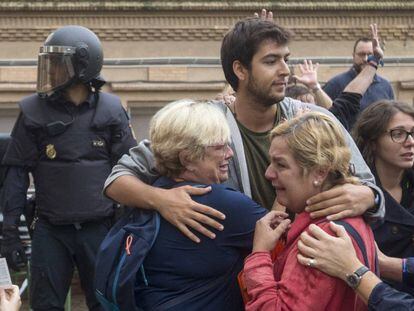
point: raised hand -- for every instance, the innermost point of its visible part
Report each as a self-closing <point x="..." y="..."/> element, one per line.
<point x="265" y="15"/>
<point x="308" y="74"/>
<point x="376" y="47"/>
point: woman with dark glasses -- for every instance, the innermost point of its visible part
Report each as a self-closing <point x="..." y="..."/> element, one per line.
<point x="384" y="134"/>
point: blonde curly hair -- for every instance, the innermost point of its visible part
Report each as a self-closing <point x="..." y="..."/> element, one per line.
<point x="317" y="142"/>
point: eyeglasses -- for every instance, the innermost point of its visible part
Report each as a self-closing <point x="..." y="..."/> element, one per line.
<point x="400" y="135"/>
<point x="220" y="147"/>
<point x="363" y="54"/>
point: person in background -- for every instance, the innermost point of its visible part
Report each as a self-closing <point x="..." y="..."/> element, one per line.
<point x="300" y="92"/>
<point x="308" y="78"/>
<point x="307" y="153"/>
<point x="362" y="55"/>
<point x="384" y="134"/>
<point x="335" y="256"/>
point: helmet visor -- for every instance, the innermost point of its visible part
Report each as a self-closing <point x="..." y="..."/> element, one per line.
<point x="54" y="68"/>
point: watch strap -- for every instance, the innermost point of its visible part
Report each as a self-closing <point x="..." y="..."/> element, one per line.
<point x="361" y="271"/>
<point x="373" y="60"/>
<point x="354" y="279"/>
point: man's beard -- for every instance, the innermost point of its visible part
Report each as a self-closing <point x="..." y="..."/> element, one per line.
<point x="262" y="95"/>
<point x="358" y="68"/>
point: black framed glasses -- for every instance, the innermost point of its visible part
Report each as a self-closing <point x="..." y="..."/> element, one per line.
<point x="400" y="135"/>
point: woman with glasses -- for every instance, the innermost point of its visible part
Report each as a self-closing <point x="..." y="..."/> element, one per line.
<point x="190" y="141"/>
<point x="384" y="134"/>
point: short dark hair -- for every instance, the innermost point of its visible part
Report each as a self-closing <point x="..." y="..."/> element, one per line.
<point x="373" y="122"/>
<point x="363" y="39"/>
<point x="296" y="91"/>
<point x="243" y="41"/>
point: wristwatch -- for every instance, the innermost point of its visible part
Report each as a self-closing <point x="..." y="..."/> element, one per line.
<point x="377" y="201"/>
<point x="354" y="279"/>
<point x="374" y="61"/>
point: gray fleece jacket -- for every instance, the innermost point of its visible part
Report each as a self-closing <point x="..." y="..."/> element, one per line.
<point x="140" y="161"/>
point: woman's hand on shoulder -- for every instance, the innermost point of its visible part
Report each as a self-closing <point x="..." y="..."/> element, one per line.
<point x="269" y="229"/>
<point x="333" y="255"/>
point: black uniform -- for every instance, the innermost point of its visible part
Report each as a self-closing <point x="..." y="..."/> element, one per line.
<point x="70" y="150"/>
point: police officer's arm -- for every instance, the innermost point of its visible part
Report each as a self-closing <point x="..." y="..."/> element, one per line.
<point x="13" y="197"/>
<point x="13" y="201"/>
<point x="21" y="154"/>
<point x="129" y="184"/>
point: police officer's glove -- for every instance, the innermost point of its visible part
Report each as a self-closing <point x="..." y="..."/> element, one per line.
<point x="12" y="248"/>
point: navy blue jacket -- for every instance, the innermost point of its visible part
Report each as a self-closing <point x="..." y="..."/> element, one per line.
<point x="379" y="88"/>
<point x="386" y="298"/>
<point x="176" y="265"/>
<point x="383" y="297"/>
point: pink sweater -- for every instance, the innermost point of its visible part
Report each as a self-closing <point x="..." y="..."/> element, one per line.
<point x="288" y="285"/>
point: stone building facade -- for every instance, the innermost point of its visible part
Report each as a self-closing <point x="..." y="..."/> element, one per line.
<point x="159" y="51"/>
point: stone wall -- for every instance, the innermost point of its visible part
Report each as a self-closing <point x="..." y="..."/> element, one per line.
<point x="159" y="51"/>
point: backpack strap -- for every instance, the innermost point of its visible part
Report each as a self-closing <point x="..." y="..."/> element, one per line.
<point x="351" y="230"/>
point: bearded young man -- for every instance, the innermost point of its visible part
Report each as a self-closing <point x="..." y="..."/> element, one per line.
<point x="254" y="56"/>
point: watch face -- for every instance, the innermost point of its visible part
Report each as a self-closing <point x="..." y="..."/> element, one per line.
<point x="353" y="280"/>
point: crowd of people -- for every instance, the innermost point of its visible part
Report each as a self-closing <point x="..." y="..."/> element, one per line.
<point x="265" y="201"/>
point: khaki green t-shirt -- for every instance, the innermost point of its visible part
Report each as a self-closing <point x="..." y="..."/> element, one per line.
<point x="256" y="149"/>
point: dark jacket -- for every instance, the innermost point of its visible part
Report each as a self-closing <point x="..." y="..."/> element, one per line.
<point x="380" y="88"/>
<point x="385" y="298"/>
<point x="177" y="267"/>
<point x="70" y="150"/>
<point x="395" y="236"/>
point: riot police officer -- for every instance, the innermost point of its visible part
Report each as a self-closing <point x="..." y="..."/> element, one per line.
<point x="68" y="135"/>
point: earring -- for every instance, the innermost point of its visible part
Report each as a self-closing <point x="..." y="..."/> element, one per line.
<point x="316" y="183"/>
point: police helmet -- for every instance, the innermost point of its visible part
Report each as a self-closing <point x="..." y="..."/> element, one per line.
<point x="70" y="54"/>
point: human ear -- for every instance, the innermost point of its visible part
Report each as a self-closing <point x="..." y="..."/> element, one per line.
<point x="319" y="175"/>
<point x="239" y="70"/>
<point x="186" y="161"/>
